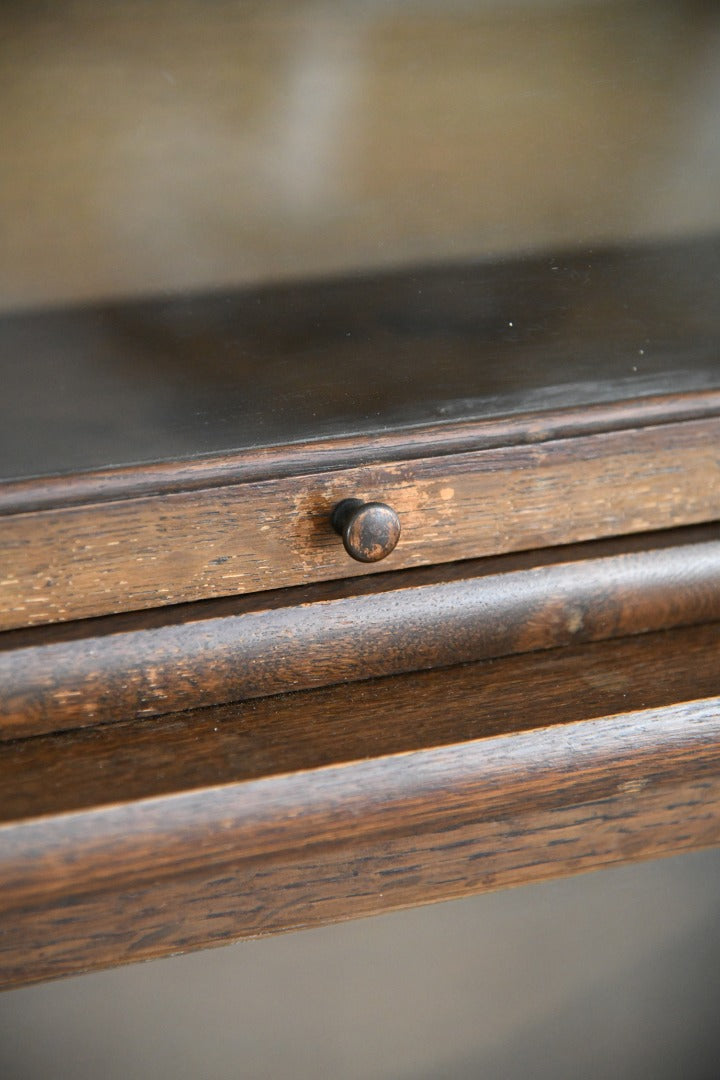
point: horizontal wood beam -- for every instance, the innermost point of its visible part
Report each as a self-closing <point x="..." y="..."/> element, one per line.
<point x="122" y="843"/>
<point x="214" y="652"/>
<point x="140" y="553"/>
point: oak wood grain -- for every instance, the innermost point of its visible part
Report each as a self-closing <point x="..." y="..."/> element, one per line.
<point x="130" y="841"/>
<point x="149" y="663"/>
<point x="238" y="898"/>
<point x="287" y="733"/>
<point x="149" y="551"/>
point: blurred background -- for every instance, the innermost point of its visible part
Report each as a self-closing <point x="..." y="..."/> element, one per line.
<point x="614" y="974"/>
<point x="187" y="144"/>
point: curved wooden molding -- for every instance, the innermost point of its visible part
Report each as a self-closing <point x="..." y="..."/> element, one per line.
<point x="210" y="653"/>
<point x="228" y="823"/>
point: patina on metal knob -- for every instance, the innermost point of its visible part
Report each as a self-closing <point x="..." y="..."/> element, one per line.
<point x="369" y="531"/>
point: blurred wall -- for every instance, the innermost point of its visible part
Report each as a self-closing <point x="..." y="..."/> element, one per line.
<point x="181" y="144"/>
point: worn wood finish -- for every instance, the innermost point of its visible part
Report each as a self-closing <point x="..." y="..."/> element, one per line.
<point x="300" y="732"/>
<point x="144" y="552"/>
<point x="317" y="455"/>
<point x="127" y="844"/>
<point x="147" y="664"/>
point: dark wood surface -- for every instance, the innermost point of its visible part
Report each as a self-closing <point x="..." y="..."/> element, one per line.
<point x="214" y="652"/>
<point x="138" y="553"/>
<point x="130" y="841"/>
<point x="327" y="455"/>
<point x="174" y="377"/>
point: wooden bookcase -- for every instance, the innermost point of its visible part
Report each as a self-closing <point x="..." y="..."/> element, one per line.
<point x="214" y="722"/>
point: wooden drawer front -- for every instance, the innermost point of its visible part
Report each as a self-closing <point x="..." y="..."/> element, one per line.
<point x="136" y="553"/>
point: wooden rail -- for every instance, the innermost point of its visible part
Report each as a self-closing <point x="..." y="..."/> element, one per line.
<point x="137" y="840"/>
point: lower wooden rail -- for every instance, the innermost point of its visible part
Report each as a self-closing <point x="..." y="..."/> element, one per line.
<point x="149" y="663"/>
<point x="137" y="840"/>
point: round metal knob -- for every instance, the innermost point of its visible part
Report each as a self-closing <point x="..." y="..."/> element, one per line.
<point x="369" y="531"/>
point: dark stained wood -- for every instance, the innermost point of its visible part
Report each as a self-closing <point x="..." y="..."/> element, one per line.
<point x="175" y="377"/>
<point x="325" y="455"/>
<point x="501" y="409"/>
<point x="290" y="733"/>
<point x="484" y="850"/>
<point x="126" y="843"/>
<point x="213" y="652"/>
<point x="145" y="552"/>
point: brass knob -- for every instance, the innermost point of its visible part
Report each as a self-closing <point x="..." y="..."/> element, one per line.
<point x="369" y="531"/>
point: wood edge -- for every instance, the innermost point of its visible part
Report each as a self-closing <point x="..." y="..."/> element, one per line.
<point x="341" y="885"/>
<point x="142" y="876"/>
<point x="498" y="774"/>
<point x="297" y="733"/>
<point x="145" y="669"/>
<point x="536" y="770"/>
<point x="296" y="459"/>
